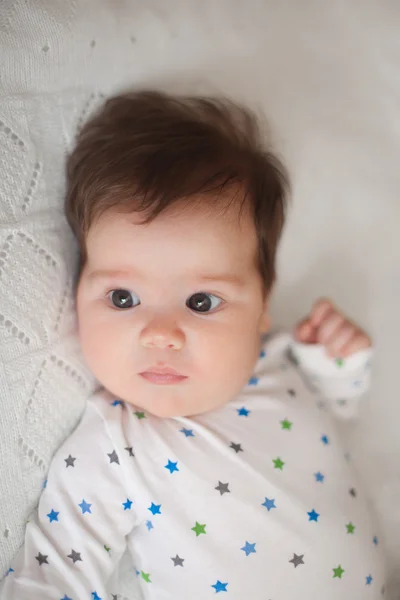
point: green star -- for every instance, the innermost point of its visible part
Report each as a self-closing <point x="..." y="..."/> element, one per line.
<point x="140" y="415"/>
<point x="339" y="362"/>
<point x="286" y="424"/>
<point x="338" y="572"/>
<point x="350" y="528"/>
<point x="146" y="577"/>
<point x="198" y="529"/>
<point x="278" y="463"/>
<point x="106" y="548"/>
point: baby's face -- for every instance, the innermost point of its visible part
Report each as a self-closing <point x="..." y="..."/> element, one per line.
<point x="182" y="293"/>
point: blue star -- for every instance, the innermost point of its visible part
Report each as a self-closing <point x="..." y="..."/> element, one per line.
<point x="324" y="439"/>
<point x="53" y="515"/>
<point x="137" y="572"/>
<point x="155" y="509"/>
<point x="319" y="477"/>
<point x="171" y="466"/>
<point x="313" y="516"/>
<point x="187" y="432"/>
<point x="368" y="580"/>
<point x="66" y="597"/>
<point x="95" y="596"/>
<point x="243" y="412"/>
<point x="85" y="507"/>
<point x="253" y="380"/>
<point x="127" y="505"/>
<point x="249" y="548"/>
<point x="269" y="504"/>
<point x="262" y="354"/>
<point x="220" y="587"/>
<point x="375" y="540"/>
<point x="149" y="525"/>
<point x="116" y="402"/>
<point x="10" y="570"/>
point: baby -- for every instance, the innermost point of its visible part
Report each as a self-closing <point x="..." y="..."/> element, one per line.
<point x="208" y="454"/>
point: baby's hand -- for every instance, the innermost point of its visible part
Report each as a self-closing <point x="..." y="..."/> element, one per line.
<point x="328" y="326"/>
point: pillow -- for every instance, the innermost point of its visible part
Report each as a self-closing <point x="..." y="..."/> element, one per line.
<point x="43" y="383"/>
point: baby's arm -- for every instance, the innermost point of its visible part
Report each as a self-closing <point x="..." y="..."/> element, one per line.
<point x="334" y="354"/>
<point x="78" y="534"/>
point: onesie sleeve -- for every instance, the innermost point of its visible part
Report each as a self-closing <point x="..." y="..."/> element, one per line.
<point x="77" y="536"/>
<point x="341" y="382"/>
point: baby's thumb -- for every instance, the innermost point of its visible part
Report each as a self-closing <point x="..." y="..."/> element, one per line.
<point x="305" y="332"/>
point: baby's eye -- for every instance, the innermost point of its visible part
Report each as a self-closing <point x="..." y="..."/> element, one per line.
<point x="122" y="299"/>
<point x="202" y="302"/>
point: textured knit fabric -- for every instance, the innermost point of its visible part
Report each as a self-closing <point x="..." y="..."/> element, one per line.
<point x="253" y="500"/>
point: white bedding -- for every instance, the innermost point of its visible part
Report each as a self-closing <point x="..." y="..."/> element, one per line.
<point x="327" y="74"/>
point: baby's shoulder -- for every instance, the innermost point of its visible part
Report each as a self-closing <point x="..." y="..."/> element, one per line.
<point x="106" y="407"/>
<point x="275" y="354"/>
<point x="102" y="400"/>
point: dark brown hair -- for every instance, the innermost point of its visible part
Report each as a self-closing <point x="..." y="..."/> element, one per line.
<point x="147" y="150"/>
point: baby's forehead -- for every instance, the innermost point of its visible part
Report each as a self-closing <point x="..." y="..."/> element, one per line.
<point x="229" y="211"/>
<point x="188" y="241"/>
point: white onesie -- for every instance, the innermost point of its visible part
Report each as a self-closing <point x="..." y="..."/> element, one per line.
<point x="252" y="501"/>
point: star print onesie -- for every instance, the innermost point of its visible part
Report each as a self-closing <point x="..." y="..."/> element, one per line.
<point x="252" y="501"/>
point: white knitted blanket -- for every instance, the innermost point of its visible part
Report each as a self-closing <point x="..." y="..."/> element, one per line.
<point x="326" y="74"/>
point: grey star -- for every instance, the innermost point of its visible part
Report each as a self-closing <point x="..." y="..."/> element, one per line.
<point x="113" y="456"/>
<point x="341" y="401"/>
<point x="353" y="492"/>
<point x="222" y="488"/>
<point x="236" y="447"/>
<point x="70" y="461"/>
<point x="293" y="359"/>
<point x="178" y="562"/>
<point x="130" y="450"/>
<point x="297" y="560"/>
<point x="291" y="392"/>
<point x="42" y="559"/>
<point x="75" y="556"/>
<point x="114" y="596"/>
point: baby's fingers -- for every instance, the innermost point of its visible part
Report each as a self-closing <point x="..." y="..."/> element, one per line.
<point x="305" y="332"/>
<point x="330" y="328"/>
<point x="327" y="325"/>
<point x="359" y="341"/>
<point x="341" y="339"/>
<point x="321" y="311"/>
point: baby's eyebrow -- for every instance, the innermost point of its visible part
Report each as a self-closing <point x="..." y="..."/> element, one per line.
<point x="107" y="274"/>
<point x="229" y="278"/>
<point x="222" y="278"/>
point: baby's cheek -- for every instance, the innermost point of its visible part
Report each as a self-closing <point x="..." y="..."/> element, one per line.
<point x="96" y="346"/>
<point x="233" y="360"/>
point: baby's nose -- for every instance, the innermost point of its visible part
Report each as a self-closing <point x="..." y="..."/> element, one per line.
<point x="162" y="337"/>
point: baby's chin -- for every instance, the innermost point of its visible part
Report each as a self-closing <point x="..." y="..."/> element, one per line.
<point x="172" y="406"/>
<point x="167" y="409"/>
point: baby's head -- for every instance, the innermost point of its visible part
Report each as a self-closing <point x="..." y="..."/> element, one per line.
<point x="177" y="210"/>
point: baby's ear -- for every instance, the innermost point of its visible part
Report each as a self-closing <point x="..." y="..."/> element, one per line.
<point x="265" y="321"/>
<point x="265" y="324"/>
